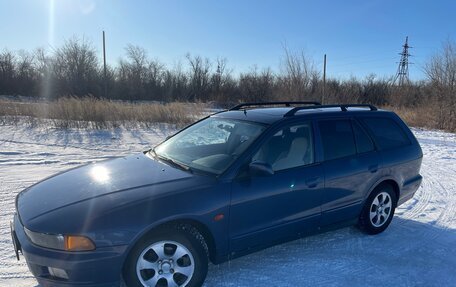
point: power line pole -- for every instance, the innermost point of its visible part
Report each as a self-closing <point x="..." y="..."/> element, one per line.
<point x="104" y="67"/>
<point x="402" y="75"/>
<point x="324" y="80"/>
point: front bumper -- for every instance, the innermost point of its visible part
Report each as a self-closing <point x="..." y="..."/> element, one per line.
<point x="98" y="268"/>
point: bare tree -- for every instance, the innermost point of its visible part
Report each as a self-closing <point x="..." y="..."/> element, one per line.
<point x="7" y="72"/>
<point x="222" y="82"/>
<point x="441" y="73"/>
<point x="175" y="84"/>
<point x="257" y="86"/>
<point x="299" y="75"/>
<point x="441" y="68"/>
<point x="375" y="91"/>
<point x="132" y="73"/>
<point x="199" y="77"/>
<point x="44" y="68"/>
<point x="137" y="57"/>
<point x="76" y="68"/>
<point x="140" y="77"/>
<point x="26" y="74"/>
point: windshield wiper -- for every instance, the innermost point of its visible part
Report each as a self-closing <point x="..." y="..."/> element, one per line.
<point x="172" y="161"/>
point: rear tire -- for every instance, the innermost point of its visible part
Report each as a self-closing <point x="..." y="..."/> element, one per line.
<point x="170" y="256"/>
<point x="378" y="211"/>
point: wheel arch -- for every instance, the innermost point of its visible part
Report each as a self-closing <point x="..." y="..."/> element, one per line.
<point x="199" y="226"/>
<point x="386" y="181"/>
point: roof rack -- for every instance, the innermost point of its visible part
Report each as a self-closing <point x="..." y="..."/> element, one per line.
<point x="287" y="104"/>
<point x="343" y="108"/>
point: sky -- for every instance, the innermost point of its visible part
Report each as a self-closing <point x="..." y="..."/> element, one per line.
<point x="359" y="37"/>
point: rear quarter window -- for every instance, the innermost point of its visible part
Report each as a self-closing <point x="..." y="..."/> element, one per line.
<point x="363" y="141"/>
<point x="386" y="132"/>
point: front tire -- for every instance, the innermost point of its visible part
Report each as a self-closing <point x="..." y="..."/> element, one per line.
<point x="378" y="210"/>
<point x="172" y="256"/>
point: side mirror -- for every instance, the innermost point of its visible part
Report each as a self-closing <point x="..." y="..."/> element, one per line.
<point x="258" y="168"/>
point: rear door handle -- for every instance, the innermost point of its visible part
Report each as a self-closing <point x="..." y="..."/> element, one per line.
<point x="312" y="182"/>
<point x="373" y="168"/>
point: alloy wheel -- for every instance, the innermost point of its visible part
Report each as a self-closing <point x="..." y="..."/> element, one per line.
<point x="380" y="209"/>
<point x="165" y="263"/>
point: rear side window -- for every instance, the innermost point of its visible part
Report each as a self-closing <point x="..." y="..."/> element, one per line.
<point x="337" y="138"/>
<point x="387" y="133"/>
<point x="363" y="141"/>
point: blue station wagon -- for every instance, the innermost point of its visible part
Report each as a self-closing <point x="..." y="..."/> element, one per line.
<point x="230" y="184"/>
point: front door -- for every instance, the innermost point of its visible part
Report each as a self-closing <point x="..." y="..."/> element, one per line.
<point x="267" y="209"/>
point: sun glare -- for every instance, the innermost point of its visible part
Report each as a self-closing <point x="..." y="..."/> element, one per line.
<point x="100" y="174"/>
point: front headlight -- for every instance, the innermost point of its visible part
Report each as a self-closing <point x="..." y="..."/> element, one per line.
<point x="60" y="242"/>
<point x="53" y="241"/>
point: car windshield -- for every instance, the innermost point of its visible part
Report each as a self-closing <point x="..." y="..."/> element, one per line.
<point x="210" y="145"/>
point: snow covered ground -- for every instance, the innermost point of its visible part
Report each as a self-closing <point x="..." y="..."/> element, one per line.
<point x="418" y="249"/>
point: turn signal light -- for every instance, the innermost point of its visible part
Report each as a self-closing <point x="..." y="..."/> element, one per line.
<point x="78" y="243"/>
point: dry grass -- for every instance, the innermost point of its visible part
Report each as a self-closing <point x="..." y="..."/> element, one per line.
<point x="89" y="112"/>
<point x="427" y="116"/>
<point x="416" y="117"/>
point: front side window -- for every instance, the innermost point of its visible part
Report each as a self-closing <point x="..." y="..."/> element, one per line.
<point x="210" y="145"/>
<point x="288" y="148"/>
<point x="337" y="139"/>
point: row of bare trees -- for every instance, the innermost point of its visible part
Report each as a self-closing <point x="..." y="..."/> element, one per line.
<point x="74" y="69"/>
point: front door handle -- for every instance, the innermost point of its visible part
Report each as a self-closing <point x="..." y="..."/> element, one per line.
<point x="312" y="182"/>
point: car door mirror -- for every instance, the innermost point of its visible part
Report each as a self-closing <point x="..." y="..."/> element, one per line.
<point x="258" y="168"/>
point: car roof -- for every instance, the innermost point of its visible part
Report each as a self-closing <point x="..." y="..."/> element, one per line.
<point x="272" y="115"/>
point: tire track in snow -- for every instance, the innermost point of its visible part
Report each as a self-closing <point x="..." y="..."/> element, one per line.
<point x="65" y="146"/>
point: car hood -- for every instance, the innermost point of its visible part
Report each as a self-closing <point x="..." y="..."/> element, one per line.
<point x="95" y="180"/>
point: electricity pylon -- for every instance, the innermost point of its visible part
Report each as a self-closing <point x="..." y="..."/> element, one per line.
<point x="402" y="75"/>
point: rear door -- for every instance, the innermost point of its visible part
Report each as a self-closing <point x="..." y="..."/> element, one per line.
<point x="400" y="153"/>
<point x="350" y="165"/>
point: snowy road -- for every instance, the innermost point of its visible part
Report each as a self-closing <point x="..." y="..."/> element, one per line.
<point x="418" y="249"/>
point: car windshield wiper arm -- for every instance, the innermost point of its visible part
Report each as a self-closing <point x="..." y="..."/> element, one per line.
<point x="173" y="162"/>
